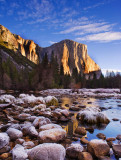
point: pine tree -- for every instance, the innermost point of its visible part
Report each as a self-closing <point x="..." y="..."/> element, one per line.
<point x="45" y="61"/>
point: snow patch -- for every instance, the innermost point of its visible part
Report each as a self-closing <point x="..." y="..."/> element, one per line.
<point x="92" y="115"/>
<point x="98" y="141"/>
<point x="7" y="98"/>
<point x="41" y="107"/>
<point x="76" y="147"/>
<point x="49" y="126"/>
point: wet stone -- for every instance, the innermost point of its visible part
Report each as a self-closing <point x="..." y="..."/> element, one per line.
<point x="84" y="141"/>
<point x="118" y="137"/>
<point x="85" y="156"/>
<point x="101" y="136"/>
<point x="117" y="150"/>
<point x="80" y="131"/>
<point x="115" y="119"/>
<point x="110" y="139"/>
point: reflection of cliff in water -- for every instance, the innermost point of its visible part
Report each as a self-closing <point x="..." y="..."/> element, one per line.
<point x="70" y="126"/>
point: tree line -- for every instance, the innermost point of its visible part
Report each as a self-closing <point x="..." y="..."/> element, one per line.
<point x="49" y="74"/>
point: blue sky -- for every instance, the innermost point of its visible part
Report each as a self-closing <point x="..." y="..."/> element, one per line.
<point x="96" y="23"/>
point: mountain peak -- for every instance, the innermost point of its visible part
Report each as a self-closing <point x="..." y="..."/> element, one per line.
<point x="69" y="53"/>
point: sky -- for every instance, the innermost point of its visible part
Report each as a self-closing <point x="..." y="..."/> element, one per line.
<point x="96" y="23"/>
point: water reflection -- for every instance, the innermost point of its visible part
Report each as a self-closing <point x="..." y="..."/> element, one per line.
<point x="110" y="130"/>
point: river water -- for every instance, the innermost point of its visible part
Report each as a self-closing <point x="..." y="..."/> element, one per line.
<point x="112" y="110"/>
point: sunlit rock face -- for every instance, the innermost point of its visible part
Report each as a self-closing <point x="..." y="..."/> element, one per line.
<point x="72" y="55"/>
<point x="25" y="47"/>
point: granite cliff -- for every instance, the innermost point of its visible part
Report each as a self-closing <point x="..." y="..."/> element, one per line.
<point x="19" y="45"/>
<point x="70" y="53"/>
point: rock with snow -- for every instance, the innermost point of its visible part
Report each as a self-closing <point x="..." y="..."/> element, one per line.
<point x="23" y="116"/>
<point x="31" y="99"/>
<point x="92" y="115"/>
<point x="47" y="151"/>
<point x="52" y="135"/>
<point x="98" y="148"/>
<point x="40" y="107"/>
<point x="28" y="145"/>
<point x="51" y="100"/>
<point x="49" y="126"/>
<point x="73" y="151"/>
<point x="19" y="141"/>
<point x="16" y="126"/>
<point x="19" y="153"/>
<point x="65" y="112"/>
<point x="14" y="133"/>
<point x="38" y="120"/>
<point x="4" y="140"/>
<point x="29" y="130"/>
<point x="7" y="98"/>
<point x="31" y="118"/>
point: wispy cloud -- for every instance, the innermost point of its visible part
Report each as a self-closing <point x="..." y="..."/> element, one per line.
<point x="101" y="37"/>
<point x="36" y="11"/>
<point x="94" y="6"/>
<point x="51" y="42"/>
<point x="88" y="28"/>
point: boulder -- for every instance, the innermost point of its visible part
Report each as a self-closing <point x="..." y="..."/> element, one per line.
<point x="28" y="145"/>
<point x="51" y="100"/>
<point x="56" y="114"/>
<point x="47" y="151"/>
<point x="85" y="156"/>
<point x="52" y="135"/>
<point x="74" y="108"/>
<point x="40" y="121"/>
<point x="40" y="107"/>
<point x="14" y="133"/>
<point x="23" y="116"/>
<point x="30" y="130"/>
<point x="16" y="126"/>
<point x="118" y="137"/>
<point x="18" y="153"/>
<point x="73" y="150"/>
<point x="101" y="136"/>
<point x="84" y="141"/>
<point x="49" y="126"/>
<point x="19" y="141"/>
<point x="5" y="155"/>
<point x="98" y="148"/>
<point x="110" y="139"/>
<point x="4" y="140"/>
<point x="80" y="131"/>
<point x="65" y="112"/>
<point x="92" y="115"/>
<point x="44" y="122"/>
<point x="5" y="149"/>
<point x="104" y="158"/>
<point x="117" y="150"/>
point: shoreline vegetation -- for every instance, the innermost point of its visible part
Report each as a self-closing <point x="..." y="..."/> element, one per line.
<point x="48" y="74"/>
